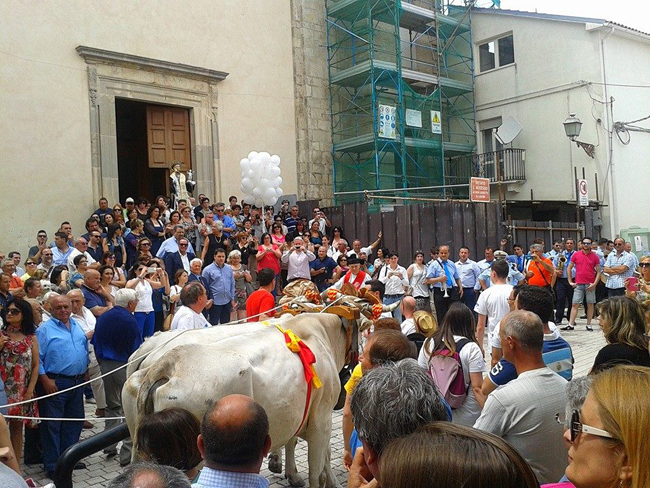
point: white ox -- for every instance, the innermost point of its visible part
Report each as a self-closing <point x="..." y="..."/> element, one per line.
<point x="192" y="369"/>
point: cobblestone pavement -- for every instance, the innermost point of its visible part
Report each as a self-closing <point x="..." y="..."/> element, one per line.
<point x="100" y="469"/>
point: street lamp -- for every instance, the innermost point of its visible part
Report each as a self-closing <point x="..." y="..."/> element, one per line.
<point x="572" y="126"/>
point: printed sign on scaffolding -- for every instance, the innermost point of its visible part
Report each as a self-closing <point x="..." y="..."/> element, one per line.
<point x="387" y="123"/>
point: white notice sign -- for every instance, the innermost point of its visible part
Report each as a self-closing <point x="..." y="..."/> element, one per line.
<point x="413" y="118"/>
<point x="583" y="196"/>
<point x="387" y="121"/>
<point x="436" y="124"/>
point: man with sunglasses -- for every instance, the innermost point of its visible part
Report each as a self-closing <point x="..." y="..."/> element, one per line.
<point x="587" y="276"/>
<point x="523" y="411"/>
<point x="41" y="244"/>
<point x="618" y="267"/>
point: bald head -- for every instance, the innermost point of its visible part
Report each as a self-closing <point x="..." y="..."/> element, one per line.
<point x="77" y="300"/>
<point x="408" y="307"/>
<point x="235" y="434"/>
<point x="92" y="278"/>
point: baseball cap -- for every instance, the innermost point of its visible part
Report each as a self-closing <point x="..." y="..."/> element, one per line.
<point x="129" y="200"/>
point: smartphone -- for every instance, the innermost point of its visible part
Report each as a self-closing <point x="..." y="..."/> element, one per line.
<point x="151" y="270"/>
<point x="633" y="283"/>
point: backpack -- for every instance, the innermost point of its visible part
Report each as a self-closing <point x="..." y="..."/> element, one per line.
<point x="447" y="373"/>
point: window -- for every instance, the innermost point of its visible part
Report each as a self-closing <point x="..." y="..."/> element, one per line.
<point x="499" y="52"/>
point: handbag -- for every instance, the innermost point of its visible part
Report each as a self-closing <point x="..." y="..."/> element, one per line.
<point x="167" y="323"/>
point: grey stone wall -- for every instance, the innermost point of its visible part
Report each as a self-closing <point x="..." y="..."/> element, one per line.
<point x="311" y="88"/>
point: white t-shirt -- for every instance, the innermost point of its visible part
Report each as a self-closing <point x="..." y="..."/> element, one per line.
<point x="420" y="290"/>
<point x="408" y="326"/>
<point x="145" y="291"/>
<point x="493" y="303"/>
<point x="495" y="340"/>
<point x="186" y="318"/>
<point x="523" y="414"/>
<point x="473" y="362"/>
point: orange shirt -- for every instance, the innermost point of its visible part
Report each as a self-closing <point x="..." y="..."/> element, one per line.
<point x="541" y="276"/>
<point x="16" y="282"/>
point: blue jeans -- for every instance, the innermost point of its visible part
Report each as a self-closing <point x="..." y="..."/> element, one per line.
<point x="147" y="322"/>
<point x="220" y="314"/>
<point x="389" y="300"/>
<point x="57" y="436"/>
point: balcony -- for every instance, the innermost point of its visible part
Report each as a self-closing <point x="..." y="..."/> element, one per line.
<point x="505" y="166"/>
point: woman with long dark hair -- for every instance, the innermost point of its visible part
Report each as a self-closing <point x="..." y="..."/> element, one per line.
<point x="19" y="366"/>
<point x="457" y="334"/>
<point x="114" y="243"/>
<point x="154" y="228"/>
<point x="119" y="278"/>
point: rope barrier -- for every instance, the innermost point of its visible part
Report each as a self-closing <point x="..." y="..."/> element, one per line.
<point x="138" y="359"/>
<point x="97" y="419"/>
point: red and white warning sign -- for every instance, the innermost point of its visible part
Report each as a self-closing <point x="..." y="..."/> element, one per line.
<point x="480" y="190"/>
<point x="583" y="195"/>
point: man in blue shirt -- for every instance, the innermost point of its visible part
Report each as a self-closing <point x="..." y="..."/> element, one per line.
<point x="171" y="244"/>
<point x="220" y="282"/>
<point x="61" y="250"/>
<point x="229" y="224"/>
<point x="63" y="352"/>
<point x="442" y="271"/>
<point x="234" y="441"/>
<point x="321" y="269"/>
<point x="117" y="336"/>
<point x="292" y="220"/>
<point x="468" y="271"/>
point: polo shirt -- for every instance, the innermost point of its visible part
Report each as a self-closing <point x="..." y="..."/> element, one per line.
<point x="93" y="299"/>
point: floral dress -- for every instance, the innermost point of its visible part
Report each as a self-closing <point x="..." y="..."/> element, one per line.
<point x="241" y="293"/>
<point x="16" y="371"/>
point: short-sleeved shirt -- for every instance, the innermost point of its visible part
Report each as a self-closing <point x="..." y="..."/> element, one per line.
<point x="585" y="265"/>
<point x="541" y="276"/>
<point x="493" y="303"/>
<point x="260" y="302"/>
<point x="186" y="318"/>
<point x="93" y="299"/>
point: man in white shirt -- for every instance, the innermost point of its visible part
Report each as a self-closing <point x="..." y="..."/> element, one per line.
<point x="492" y="304"/>
<point x="523" y="411"/>
<point x="87" y="321"/>
<point x="341" y="249"/>
<point x="298" y="259"/>
<point x="190" y="316"/>
<point x="408" y="308"/>
<point x="468" y="271"/>
<point x="80" y="247"/>
<point x="354" y="276"/>
<point x="357" y="248"/>
<point x="323" y="222"/>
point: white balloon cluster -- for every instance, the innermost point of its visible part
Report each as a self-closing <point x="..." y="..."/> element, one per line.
<point x="261" y="178"/>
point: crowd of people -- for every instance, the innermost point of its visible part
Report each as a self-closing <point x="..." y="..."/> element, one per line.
<point x="76" y="309"/>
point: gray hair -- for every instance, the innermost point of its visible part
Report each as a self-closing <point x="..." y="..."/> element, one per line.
<point x="168" y="476"/>
<point x="393" y="400"/>
<point x="50" y="295"/>
<point x="196" y="260"/>
<point x="7" y="261"/>
<point x="191" y="293"/>
<point x="218" y="224"/>
<point x="124" y="296"/>
<point x="526" y="327"/>
<point x="576" y="391"/>
<point x="234" y="254"/>
<point x="536" y="247"/>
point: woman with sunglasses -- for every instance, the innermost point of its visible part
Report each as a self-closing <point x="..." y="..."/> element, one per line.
<point x="119" y="278"/>
<point x="337" y="235"/>
<point x="144" y="249"/>
<point x="608" y="437"/>
<point x="341" y="269"/>
<point x="76" y="279"/>
<point x="277" y="235"/>
<point x="118" y="214"/>
<point x="622" y="320"/>
<point x="31" y="267"/>
<point x="642" y="290"/>
<point x="19" y="362"/>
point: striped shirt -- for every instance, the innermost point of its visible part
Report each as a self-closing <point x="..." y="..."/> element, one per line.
<point x="214" y="478"/>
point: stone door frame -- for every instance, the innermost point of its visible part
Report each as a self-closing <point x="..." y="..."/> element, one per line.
<point x="114" y="75"/>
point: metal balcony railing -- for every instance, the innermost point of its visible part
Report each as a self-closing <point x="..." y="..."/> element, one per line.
<point x="506" y="165"/>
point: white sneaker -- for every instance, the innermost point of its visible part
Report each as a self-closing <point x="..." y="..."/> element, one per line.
<point x="91" y="400"/>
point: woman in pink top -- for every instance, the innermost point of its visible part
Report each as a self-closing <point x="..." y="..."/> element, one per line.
<point x="268" y="256"/>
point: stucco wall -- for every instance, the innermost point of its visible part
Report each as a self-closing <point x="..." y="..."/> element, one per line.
<point x="44" y="119"/>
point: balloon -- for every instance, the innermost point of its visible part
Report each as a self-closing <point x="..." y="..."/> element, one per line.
<point x="274" y="172"/>
<point x="269" y="193"/>
<point x="273" y="201"/>
<point x="259" y="203"/>
<point x="255" y="164"/>
<point x="278" y="192"/>
<point x="248" y="184"/>
<point x="253" y="155"/>
<point x="244" y="164"/>
<point x="250" y="174"/>
<point x="265" y="157"/>
<point x="279" y="181"/>
<point x="264" y="184"/>
<point x="275" y="160"/>
<point x="249" y="199"/>
<point x="257" y="192"/>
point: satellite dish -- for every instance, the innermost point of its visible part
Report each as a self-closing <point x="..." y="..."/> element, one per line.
<point x="510" y="129"/>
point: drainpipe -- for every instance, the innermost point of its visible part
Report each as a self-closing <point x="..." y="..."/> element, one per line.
<point x="613" y="216"/>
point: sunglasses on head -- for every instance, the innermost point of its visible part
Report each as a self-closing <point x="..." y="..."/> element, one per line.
<point x="576" y="427"/>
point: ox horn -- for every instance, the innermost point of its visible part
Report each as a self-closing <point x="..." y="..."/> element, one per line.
<point x="391" y="307"/>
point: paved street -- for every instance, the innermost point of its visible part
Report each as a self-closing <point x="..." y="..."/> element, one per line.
<point x="100" y="469"/>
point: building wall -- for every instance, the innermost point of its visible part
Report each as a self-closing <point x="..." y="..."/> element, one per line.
<point x="553" y="62"/>
<point x="45" y="147"/>
<point x="627" y="62"/>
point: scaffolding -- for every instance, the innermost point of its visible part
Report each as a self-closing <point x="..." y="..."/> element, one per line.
<point x="401" y="95"/>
